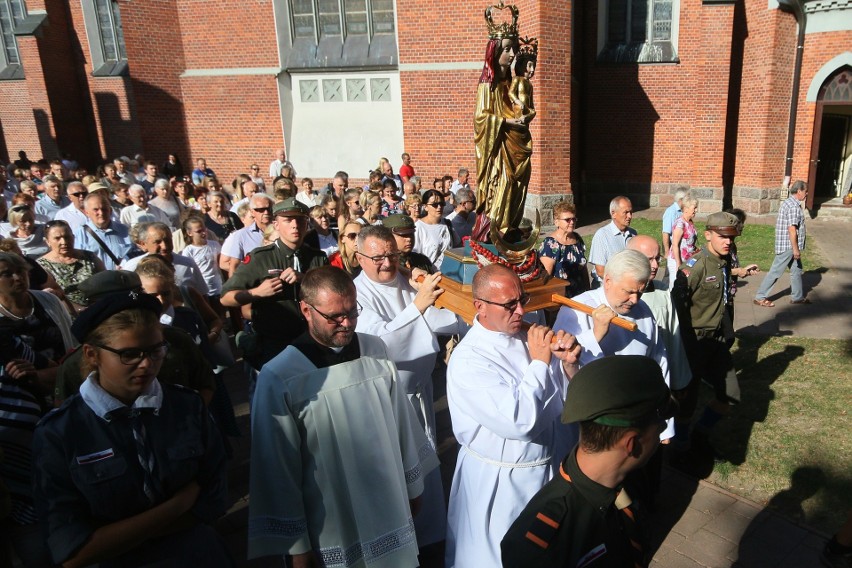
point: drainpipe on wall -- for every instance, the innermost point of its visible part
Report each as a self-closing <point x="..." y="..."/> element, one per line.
<point x="796" y="7"/>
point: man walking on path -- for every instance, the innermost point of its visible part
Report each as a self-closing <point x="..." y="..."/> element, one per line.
<point x="789" y="244"/>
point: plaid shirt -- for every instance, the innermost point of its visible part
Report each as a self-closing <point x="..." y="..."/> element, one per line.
<point x="790" y="213"/>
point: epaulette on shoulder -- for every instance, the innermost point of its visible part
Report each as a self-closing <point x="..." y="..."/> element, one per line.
<point x="691" y="262"/>
<point x="55" y="413"/>
<point x="544" y="526"/>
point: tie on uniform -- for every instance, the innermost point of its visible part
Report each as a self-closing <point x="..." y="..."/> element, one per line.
<point x="150" y="485"/>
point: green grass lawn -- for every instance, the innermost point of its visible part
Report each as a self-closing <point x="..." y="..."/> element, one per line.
<point x="788" y="444"/>
<point x="756" y="244"/>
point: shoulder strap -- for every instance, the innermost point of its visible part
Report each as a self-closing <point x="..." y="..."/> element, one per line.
<point x="102" y="244"/>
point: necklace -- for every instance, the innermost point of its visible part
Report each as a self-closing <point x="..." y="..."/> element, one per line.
<point x="6" y="311"/>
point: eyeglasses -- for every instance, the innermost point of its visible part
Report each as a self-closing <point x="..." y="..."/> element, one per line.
<point x="78" y="194"/>
<point x="380" y="259"/>
<point x="338" y="319"/>
<point x="436" y="205"/>
<point x="19" y="208"/>
<point x="511" y="305"/>
<point x="569" y="219"/>
<point x="351" y="236"/>
<point x="263" y="209"/>
<point x="135" y="355"/>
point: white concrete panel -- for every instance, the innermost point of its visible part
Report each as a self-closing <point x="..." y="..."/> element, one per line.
<point x="325" y="137"/>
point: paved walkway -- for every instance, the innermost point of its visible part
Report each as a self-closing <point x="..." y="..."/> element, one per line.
<point x="697" y="524"/>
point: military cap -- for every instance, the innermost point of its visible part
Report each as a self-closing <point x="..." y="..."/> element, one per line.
<point x="109" y="305"/>
<point x="620" y="390"/>
<point x="399" y="224"/>
<point x="292" y="207"/>
<point x="108" y="282"/>
<point x="723" y="223"/>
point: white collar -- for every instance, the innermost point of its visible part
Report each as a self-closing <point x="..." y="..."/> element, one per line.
<point x="102" y="403"/>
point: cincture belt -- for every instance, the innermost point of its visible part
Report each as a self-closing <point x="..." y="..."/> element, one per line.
<point x="511" y="465"/>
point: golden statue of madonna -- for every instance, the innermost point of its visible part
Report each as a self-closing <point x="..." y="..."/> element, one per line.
<point x="504" y="109"/>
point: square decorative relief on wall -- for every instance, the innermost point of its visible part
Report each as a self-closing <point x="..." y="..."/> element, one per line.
<point x="380" y="90"/>
<point x="356" y="90"/>
<point x="332" y="90"/>
<point x="309" y="91"/>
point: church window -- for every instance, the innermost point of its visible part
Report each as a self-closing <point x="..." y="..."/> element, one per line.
<point x="639" y="31"/>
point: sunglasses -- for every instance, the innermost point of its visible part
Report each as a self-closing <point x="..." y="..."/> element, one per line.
<point x="338" y="319"/>
<point x="436" y="205"/>
<point x="511" y="305"/>
<point x="351" y="236"/>
<point x="263" y="209"/>
<point x="78" y="194"/>
<point x="19" y="208"/>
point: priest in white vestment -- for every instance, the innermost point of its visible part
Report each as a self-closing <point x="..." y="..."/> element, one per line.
<point x="407" y="321"/>
<point x="625" y="276"/>
<point x="505" y="388"/>
<point x="338" y="458"/>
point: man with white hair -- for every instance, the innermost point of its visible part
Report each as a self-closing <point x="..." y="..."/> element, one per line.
<point x="241" y="242"/>
<point x="249" y="188"/>
<point x="611" y="238"/>
<point x="74" y="213"/>
<point x="53" y="198"/>
<point x="141" y="211"/>
<point x="279" y="162"/>
<point x="672" y="214"/>
<point x="625" y="278"/>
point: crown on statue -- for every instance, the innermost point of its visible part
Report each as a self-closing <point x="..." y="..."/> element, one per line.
<point x="504" y="29"/>
<point x="529" y="46"/>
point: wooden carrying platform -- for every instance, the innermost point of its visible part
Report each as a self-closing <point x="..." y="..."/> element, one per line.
<point x="458" y="297"/>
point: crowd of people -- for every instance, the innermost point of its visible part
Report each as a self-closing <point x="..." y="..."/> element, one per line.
<point x="118" y="292"/>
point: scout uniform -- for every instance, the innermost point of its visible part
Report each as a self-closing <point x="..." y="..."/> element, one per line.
<point x="404" y="225"/>
<point x="275" y="320"/>
<point x="700" y="294"/>
<point x="184" y="363"/>
<point x="575" y="521"/>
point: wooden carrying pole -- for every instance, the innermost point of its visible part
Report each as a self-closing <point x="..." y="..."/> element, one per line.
<point x="562" y="300"/>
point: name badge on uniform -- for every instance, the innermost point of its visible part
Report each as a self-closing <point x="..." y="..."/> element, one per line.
<point x="95" y="457"/>
<point x="710" y="279"/>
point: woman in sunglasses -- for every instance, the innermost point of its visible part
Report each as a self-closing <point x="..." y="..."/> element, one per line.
<point x="131" y="471"/>
<point x="432" y="236"/>
<point x="27" y="233"/>
<point x="345" y="257"/>
<point x="563" y="252"/>
<point x="68" y="266"/>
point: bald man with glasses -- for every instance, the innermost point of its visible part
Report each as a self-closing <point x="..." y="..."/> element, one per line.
<point x="506" y="385"/>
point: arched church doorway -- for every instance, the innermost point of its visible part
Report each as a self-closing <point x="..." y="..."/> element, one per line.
<point x="830" y="174"/>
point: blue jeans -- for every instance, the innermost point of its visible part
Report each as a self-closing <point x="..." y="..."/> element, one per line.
<point x="782" y="262"/>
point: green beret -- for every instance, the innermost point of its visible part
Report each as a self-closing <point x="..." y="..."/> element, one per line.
<point x="109" y="305"/>
<point x="724" y="224"/>
<point x="620" y="390"/>
<point x="399" y="224"/>
<point x="108" y="282"/>
<point x="290" y="207"/>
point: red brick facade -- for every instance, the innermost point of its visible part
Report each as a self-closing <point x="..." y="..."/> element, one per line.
<point x="202" y="83"/>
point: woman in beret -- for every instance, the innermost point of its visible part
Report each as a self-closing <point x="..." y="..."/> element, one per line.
<point x="131" y="470"/>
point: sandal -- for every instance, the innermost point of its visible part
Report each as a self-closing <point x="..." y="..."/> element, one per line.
<point x="764" y="303"/>
<point x="802" y="301"/>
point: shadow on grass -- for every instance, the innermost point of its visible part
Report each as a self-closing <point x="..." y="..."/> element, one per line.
<point x="731" y="438"/>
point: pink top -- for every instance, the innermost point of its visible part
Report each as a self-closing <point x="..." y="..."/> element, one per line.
<point x="687" y="241"/>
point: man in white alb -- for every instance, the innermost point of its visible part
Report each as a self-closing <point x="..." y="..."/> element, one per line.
<point x="505" y="389"/>
<point x="406" y="319"/>
<point x="337" y="458"/>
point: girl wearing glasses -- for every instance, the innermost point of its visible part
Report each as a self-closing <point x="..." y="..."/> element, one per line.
<point x="563" y="252"/>
<point x="432" y="236"/>
<point x="27" y="233"/>
<point x="131" y="470"/>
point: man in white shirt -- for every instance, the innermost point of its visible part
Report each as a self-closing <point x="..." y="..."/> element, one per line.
<point x="407" y="321"/>
<point x="625" y="278"/>
<point x="505" y="390"/>
<point x="141" y="211"/>
<point x="279" y="162"/>
<point x="74" y="214"/>
<point x="461" y="181"/>
<point x="611" y="238"/>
